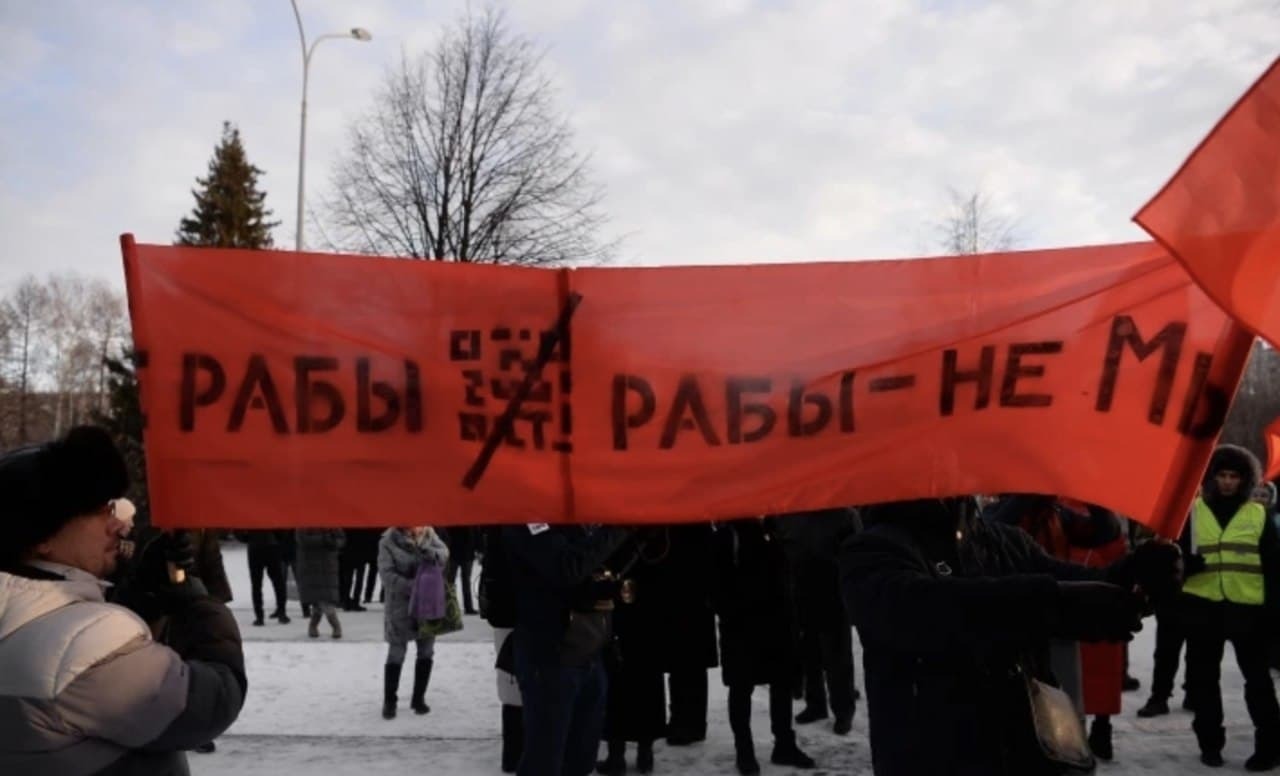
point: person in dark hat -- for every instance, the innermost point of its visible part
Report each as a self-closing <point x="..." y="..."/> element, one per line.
<point x="87" y="687"/>
<point x="1232" y="589"/>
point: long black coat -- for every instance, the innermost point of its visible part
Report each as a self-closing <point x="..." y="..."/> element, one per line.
<point x="943" y="623"/>
<point x="754" y="598"/>
<point x="636" y="708"/>
<point x="813" y="541"/>
<point x="674" y="586"/>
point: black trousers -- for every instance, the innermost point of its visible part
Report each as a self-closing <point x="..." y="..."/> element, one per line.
<point x="687" y="688"/>
<point x="779" y="713"/>
<point x="267" y="559"/>
<point x="826" y="649"/>
<point x="359" y="583"/>
<point x="371" y="580"/>
<point x="636" y="706"/>
<point x="346" y="571"/>
<point x="451" y="573"/>
<point x="1170" y="635"/>
<point x="1205" y="649"/>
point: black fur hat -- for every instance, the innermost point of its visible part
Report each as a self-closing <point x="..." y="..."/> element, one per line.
<point x="1236" y="459"/>
<point x="42" y="487"/>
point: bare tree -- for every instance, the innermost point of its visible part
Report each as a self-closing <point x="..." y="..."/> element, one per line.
<point x="24" y="313"/>
<point x="1257" y="403"/>
<point x="464" y="158"/>
<point x="85" y="319"/>
<point x="57" y="333"/>
<point x="109" y="335"/>
<point x="972" y="225"/>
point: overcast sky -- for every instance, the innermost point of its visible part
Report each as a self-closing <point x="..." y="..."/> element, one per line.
<point x="724" y="131"/>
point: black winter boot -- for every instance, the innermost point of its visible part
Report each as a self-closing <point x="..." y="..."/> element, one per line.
<point x="390" y="683"/>
<point x="644" y="757"/>
<point x="746" y="756"/>
<point x="786" y="752"/>
<point x="1100" y="738"/>
<point x="421" y="678"/>
<point x="1211" y="741"/>
<point x="810" y="714"/>
<point x="1266" y="752"/>
<point x="512" y="737"/>
<point x="616" y="763"/>
<point x="1155" y="707"/>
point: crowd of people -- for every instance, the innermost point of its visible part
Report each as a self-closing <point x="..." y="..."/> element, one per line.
<point x="998" y="625"/>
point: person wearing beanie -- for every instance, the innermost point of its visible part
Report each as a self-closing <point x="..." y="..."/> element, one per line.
<point x="1232" y="577"/>
<point x="87" y="688"/>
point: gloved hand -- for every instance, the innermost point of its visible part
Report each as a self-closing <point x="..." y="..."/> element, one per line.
<point x="1095" y="611"/>
<point x="1194" y="564"/>
<point x="179" y="551"/>
<point x="148" y="589"/>
<point x="1158" y="569"/>
<point x="1155" y="567"/>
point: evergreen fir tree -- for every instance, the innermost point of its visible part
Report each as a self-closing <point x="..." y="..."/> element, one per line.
<point x="230" y="211"/>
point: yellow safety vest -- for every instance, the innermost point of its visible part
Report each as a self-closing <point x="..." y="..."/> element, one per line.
<point x="1233" y="570"/>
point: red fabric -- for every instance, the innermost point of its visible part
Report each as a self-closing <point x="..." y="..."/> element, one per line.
<point x="1101" y="665"/>
<point x="1272" y="436"/>
<point x="1220" y="216"/>
<point x="288" y="389"/>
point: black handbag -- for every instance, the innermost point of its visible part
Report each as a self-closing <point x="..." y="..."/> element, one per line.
<point x="585" y="637"/>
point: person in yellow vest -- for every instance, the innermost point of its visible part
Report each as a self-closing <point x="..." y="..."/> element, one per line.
<point x="1232" y="572"/>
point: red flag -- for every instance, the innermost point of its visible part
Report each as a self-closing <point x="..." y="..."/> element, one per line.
<point x="1220" y="213"/>
<point x="1272" y="437"/>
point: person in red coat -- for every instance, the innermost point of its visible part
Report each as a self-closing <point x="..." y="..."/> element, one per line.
<point x="1089" y="535"/>
<point x="1098" y="543"/>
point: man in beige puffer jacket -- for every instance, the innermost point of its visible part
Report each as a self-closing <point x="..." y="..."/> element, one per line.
<point x="84" y="686"/>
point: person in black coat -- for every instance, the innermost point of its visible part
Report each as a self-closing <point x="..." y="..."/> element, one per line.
<point x="498" y="608"/>
<point x="266" y="556"/>
<point x="678" y="584"/>
<point x="636" y="705"/>
<point x="826" y="635"/>
<point x="755" y="601"/>
<point x="359" y="557"/>
<point x="563" y="624"/>
<point x="951" y="610"/>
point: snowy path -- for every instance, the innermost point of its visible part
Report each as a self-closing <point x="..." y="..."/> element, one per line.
<point x="314" y="705"/>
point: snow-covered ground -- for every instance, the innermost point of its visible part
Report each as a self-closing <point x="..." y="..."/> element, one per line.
<point x="314" y="708"/>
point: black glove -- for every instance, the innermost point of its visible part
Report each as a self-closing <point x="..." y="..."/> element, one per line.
<point x="1155" y="568"/>
<point x="1194" y="564"/>
<point x="179" y="551"/>
<point x="147" y="588"/>
<point x="1158" y="569"/>
<point x="1095" y="611"/>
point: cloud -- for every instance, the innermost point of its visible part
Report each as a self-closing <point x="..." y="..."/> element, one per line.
<point x="724" y="130"/>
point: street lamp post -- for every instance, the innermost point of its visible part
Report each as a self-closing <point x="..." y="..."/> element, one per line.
<point x="356" y="33"/>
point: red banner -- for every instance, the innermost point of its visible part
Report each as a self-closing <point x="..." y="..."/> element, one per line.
<point x="288" y="389"/>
